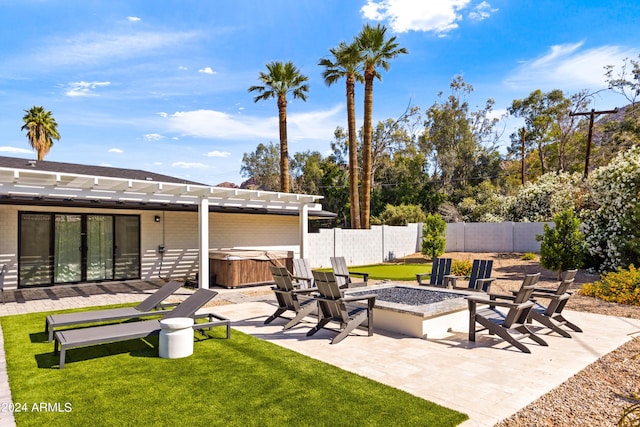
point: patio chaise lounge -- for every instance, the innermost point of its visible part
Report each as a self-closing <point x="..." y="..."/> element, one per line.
<point x="480" y="279"/>
<point x="550" y="315"/>
<point x="496" y="322"/>
<point x="83" y="337"/>
<point x="288" y="299"/>
<point x="440" y="267"/>
<point x="148" y="307"/>
<point x="333" y="306"/>
<point x="343" y="275"/>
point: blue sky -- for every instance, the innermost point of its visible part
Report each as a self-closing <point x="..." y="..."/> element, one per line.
<point x="162" y="85"/>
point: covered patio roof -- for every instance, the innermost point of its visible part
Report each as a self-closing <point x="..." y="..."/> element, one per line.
<point x="48" y="185"/>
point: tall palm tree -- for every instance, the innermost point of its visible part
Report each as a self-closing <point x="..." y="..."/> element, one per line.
<point x="41" y="129"/>
<point x="346" y="62"/>
<point x="376" y="52"/>
<point x="280" y="79"/>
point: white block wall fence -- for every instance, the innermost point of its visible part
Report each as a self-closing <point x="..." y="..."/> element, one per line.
<point x="385" y="243"/>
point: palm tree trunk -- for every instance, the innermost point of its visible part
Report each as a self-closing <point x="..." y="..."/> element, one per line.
<point x="366" y="148"/>
<point x="284" y="147"/>
<point x="353" y="154"/>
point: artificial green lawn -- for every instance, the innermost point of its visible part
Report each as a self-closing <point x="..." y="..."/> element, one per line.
<point x="243" y="381"/>
<point x="406" y="272"/>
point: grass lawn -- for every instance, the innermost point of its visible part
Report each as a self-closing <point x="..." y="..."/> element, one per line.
<point x="243" y="381"/>
<point x="406" y="272"/>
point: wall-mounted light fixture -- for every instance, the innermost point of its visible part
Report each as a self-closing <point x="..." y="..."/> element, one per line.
<point x="156" y="218"/>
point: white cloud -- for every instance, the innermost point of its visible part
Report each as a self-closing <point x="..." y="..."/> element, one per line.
<point x="568" y="67"/>
<point x="163" y="114"/>
<point x="482" y="11"/>
<point x="98" y="48"/>
<point x="206" y="70"/>
<point x="115" y="150"/>
<point x="406" y="15"/>
<point x="189" y="165"/>
<point x="216" y="153"/>
<point x="133" y="19"/>
<point x="83" y="88"/>
<point x="152" y="137"/>
<point x="182" y="68"/>
<point x="216" y="124"/>
<point x="7" y="149"/>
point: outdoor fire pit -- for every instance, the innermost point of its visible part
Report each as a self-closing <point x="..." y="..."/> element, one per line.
<point x="418" y="312"/>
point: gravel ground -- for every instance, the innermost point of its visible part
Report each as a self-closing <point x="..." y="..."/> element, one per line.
<point x="597" y="395"/>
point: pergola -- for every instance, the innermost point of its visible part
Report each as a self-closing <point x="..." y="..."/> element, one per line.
<point x="38" y="186"/>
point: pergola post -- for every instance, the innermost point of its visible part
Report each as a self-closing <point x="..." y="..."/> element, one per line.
<point x="304" y="229"/>
<point x="203" y="243"/>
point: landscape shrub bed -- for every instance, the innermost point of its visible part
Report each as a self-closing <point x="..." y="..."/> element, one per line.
<point x="622" y="286"/>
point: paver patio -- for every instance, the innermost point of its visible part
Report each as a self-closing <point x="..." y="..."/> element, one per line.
<point x="488" y="380"/>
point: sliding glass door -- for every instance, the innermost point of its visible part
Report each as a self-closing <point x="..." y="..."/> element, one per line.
<point x="69" y="248"/>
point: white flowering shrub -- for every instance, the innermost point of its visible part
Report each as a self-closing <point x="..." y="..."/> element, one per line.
<point x="539" y="201"/>
<point x="611" y="222"/>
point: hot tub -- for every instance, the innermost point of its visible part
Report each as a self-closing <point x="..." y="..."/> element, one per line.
<point x="239" y="267"/>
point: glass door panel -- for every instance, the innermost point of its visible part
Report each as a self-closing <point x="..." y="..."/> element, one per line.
<point x="35" y="262"/>
<point x="127" y="247"/>
<point x="99" y="247"/>
<point x="68" y="248"/>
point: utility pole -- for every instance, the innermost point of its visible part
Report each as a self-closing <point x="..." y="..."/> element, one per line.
<point x="592" y="114"/>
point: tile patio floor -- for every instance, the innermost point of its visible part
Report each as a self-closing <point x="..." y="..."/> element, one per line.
<point x="488" y="380"/>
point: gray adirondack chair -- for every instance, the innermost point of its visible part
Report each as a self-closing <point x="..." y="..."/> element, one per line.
<point x="480" y="278"/>
<point x="440" y="267"/>
<point x="550" y="315"/>
<point x="343" y="274"/>
<point x="290" y="298"/>
<point x="333" y="306"/>
<point x="497" y="322"/>
<point x="302" y="272"/>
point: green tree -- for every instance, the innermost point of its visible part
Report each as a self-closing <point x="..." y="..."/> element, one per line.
<point x="280" y="80"/>
<point x="549" y="125"/>
<point x="563" y="246"/>
<point x="625" y="133"/>
<point x="453" y="138"/>
<point x="345" y="62"/>
<point x="433" y="236"/>
<point x="41" y="129"/>
<point x="262" y="167"/>
<point x="376" y="52"/>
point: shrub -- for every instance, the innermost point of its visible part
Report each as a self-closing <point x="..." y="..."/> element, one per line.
<point x="610" y="225"/>
<point x="402" y="215"/>
<point x="433" y="241"/>
<point x="461" y="267"/>
<point x="549" y="195"/>
<point x="622" y="286"/>
<point x="529" y="256"/>
<point x="562" y="246"/>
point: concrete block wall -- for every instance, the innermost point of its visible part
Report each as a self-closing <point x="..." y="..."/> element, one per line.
<point x="361" y="247"/>
<point x="493" y="237"/>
